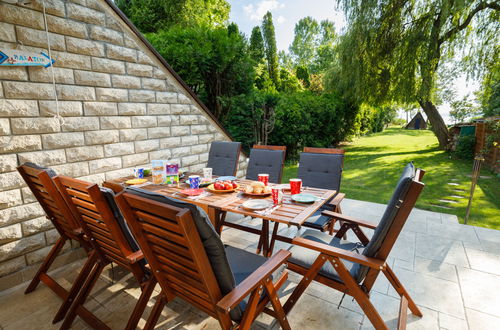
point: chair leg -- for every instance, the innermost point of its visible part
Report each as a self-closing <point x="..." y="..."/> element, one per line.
<point x="82" y="296"/>
<point x="75" y="288"/>
<point x="398" y="286"/>
<point x="44" y="267"/>
<point x="273" y="238"/>
<point x="141" y="304"/>
<point x="275" y="302"/>
<point x="251" y="309"/>
<point x="155" y="313"/>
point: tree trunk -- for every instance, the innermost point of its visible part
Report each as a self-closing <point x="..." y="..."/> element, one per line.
<point x="438" y="126"/>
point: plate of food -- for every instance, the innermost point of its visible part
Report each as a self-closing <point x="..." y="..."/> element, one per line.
<point x="191" y="192"/>
<point x="304" y="198"/>
<point x="256" y="204"/>
<point x="136" y="181"/>
<point x="257" y="189"/>
<point x="223" y="187"/>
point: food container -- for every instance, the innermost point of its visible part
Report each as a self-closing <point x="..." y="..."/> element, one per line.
<point x="158" y="171"/>
<point x="172" y="173"/>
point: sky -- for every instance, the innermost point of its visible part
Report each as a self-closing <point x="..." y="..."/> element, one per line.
<point x="286" y="13"/>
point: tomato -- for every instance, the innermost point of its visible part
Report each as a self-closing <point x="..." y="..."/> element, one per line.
<point x="218" y="186"/>
<point x="228" y="186"/>
<point x="235" y="185"/>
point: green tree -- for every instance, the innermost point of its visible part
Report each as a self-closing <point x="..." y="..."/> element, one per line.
<point x="394" y="48"/>
<point x="489" y="95"/>
<point x="155" y="15"/>
<point x="271" y="48"/>
<point x="305" y="41"/>
<point x="257" y="49"/>
<point x="303" y="75"/>
<point x="462" y="109"/>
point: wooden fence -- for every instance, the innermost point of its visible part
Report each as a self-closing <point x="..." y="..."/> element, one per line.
<point x="483" y="130"/>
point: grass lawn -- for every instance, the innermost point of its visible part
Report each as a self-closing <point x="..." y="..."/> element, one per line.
<point x="373" y="164"/>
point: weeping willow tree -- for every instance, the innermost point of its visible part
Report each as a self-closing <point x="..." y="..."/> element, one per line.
<point x="394" y="49"/>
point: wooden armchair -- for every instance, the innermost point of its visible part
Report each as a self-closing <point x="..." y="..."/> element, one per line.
<point x="189" y="260"/>
<point x="352" y="268"/>
<point x="111" y="241"/>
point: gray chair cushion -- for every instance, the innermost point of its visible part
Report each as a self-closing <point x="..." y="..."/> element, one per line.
<point x="265" y="161"/>
<point x="317" y="221"/>
<point x="305" y="257"/>
<point x="49" y="171"/>
<point x="320" y="170"/>
<point x="223" y="157"/>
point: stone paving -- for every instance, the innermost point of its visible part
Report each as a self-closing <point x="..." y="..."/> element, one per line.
<point x="452" y="271"/>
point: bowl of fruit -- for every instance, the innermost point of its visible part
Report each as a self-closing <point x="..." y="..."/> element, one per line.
<point x="223" y="186"/>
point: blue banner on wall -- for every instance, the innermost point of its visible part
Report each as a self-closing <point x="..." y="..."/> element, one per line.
<point x="14" y="57"/>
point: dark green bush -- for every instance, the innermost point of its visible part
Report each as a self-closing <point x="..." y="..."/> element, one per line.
<point x="465" y="147"/>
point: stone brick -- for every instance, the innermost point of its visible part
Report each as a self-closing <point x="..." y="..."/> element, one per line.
<point x="180" y="130"/>
<point x="206" y="138"/>
<point x="104" y="165"/>
<point x="22" y="16"/>
<point x="160" y="154"/>
<point x="158" y="109"/>
<point x="188" y="120"/>
<point x="39" y="255"/>
<point x="115" y="122"/>
<point x="78" y="124"/>
<point x="112" y="94"/>
<point x="140" y="70"/>
<point x="20" y="213"/>
<point x="158" y="73"/>
<point x="44" y="158"/>
<point x="1" y="90"/>
<point x="94" y="178"/>
<point x="196" y="168"/>
<point x="13" y="73"/>
<point x="90" y="78"/>
<point x="180" y="109"/>
<point x="18" y="108"/>
<point x="28" y="196"/>
<point x="155" y="84"/>
<point x="66" y="108"/>
<point x="164" y="120"/>
<point x="104" y="34"/>
<point x="36" y="225"/>
<point x="136" y="159"/>
<point x="118" y="149"/>
<point x="144" y="58"/>
<point x="8" y="163"/>
<point x="133" y="134"/>
<point x="158" y="132"/>
<point x="140" y="95"/>
<point x="85" y="14"/>
<point x="183" y="99"/>
<point x="181" y="151"/>
<point x="84" y="153"/>
<point x="12" y="265"/>
<point x="199" y="129"/>
<point x="130" y="109"/>
<point x="189" y="160"/>
<point x="38" y="38"/>
<point x="7" y="32"/>
<point x="108" y="66"/>
<point x="166" y="97"/>
<point x="113" y="24"/>
<point x="100" y="109"/>
<point x="198" y="149"/>
<point x="62" y="140"/>
<point x="189" y="140"/>
<point x="19" y="143"/>
<point x="95" y="4"/>
<point x="61" y="75"/>
<point x="11" y="180"/>
<point x="52" y="7"/>
<point x="118" y="173"/>
<point x="27" y="244"/>
<point x="102" y="137"/>
<point x="34" y="125"/>
<point x="4" y="126"/>
<point x="28" y="90"/>
<point x="125" y="81"/>
<point x="143" y="121"/>
<point x="66" y="27"/>
<point x="170" y="142"/>
<point x="10" y="198"/>
<point x="72" y="61"/>
<point x="84" y="46"/>
<point x="72" y="169"/>
<point x="51" y="236"/>
<point x="75" y="93"/>
<point x="121" y="53"/>
<point x="147" y="145"/>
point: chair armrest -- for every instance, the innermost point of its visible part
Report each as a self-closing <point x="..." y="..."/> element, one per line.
<point x="136" y="256"/>
<point x="337" y="199"/>
<point x="340" y="253"/>
<point x="239" y="293"/>
<point x="346" y="218"/>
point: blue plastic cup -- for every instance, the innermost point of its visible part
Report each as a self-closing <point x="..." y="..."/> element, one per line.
<point x="194" y="181"/>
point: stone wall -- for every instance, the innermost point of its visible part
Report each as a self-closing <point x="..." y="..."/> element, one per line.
<point x="121" y="108"/>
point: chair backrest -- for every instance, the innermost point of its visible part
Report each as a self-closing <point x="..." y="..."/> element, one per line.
<point x="183" y="249"/>
<point x="266" y="159"/>
<point x="100" y="220"/>
<point x="321" y="168"/>
<point x="396" y="213"/>
<point x="39" y="180"/>
<point x="223" y="157"/>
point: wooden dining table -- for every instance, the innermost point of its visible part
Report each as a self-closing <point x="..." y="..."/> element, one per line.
<point x="216" y="205"/>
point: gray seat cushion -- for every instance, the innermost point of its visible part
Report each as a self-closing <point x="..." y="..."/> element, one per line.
<point x="320" y="170"/>
<point x="49" y="171"/>
<point x="267" y="162"/>
<point x="305" y="257"/>
<point x="223" y="157"/>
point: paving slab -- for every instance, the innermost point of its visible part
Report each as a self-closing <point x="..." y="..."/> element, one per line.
<point x="483" y="261"/>
<point x="481" y="321"/>
<point x="449" y="322"/>
<point x="441" y="249"/>
<point x="480" y="291"/>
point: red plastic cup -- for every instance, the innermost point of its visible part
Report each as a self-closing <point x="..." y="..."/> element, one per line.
<point x="264" y="178"/>
<point x="295" y="186"/>
<point x="277" y="194"/>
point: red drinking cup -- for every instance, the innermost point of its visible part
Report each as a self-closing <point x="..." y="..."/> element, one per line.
<point x="277" y="195"/>
<point x="264" y="178"/>
<point x="295" y="186"/>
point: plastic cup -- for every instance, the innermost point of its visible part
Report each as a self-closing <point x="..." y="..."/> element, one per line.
<point x="194" y="181"/>
<point x="295" y="186"/>
<point x="139" y="173"/>
<point x="277" y="194"/>
<point x="207" y="173"/>
<point x="264" y="178"/>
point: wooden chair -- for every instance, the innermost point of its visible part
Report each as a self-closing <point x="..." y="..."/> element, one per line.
<point x="189" y="260"/>
<point x="223" y="157"/>
<point x="266" y="159"/>
<point x="352" y="268"/>
<point x="111" y="241"/>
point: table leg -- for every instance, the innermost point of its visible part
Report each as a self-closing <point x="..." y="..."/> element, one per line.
<point x="265" y="237"/>
<point x="273" y="239"/>
<point x="217" y="217"/>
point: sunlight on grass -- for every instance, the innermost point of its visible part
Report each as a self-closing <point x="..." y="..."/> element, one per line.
<point x="373" y="165"/>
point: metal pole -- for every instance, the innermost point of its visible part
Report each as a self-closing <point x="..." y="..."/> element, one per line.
<point x="476" y="169"/>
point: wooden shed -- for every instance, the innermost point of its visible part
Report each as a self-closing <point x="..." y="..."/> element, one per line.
<point x="417" y="122"/>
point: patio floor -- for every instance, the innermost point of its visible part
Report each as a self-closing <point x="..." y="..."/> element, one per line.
<point x="452" y="271"/>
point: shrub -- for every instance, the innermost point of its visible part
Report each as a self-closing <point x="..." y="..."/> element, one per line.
<point x="465" y="147"/>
